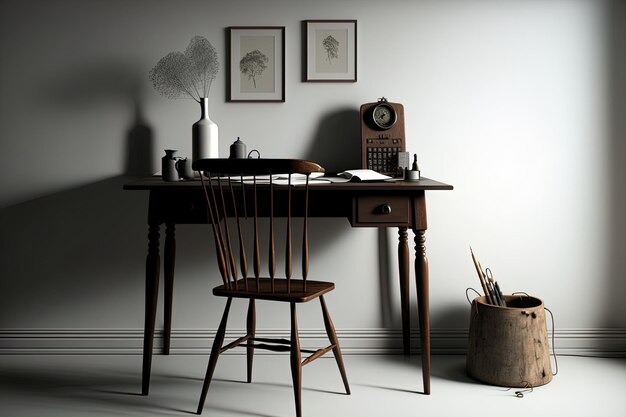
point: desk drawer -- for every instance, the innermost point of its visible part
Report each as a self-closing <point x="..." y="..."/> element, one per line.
<point x="382" y="210"/>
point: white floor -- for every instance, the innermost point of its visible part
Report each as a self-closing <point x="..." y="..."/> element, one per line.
<point x="86" y="386"/>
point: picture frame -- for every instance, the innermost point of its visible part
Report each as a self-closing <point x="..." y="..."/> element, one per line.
<point x="330" y="50"/>
<point x="256" y="64"/>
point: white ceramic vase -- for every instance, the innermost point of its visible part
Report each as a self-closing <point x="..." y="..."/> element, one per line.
<point x="204" y="134"/>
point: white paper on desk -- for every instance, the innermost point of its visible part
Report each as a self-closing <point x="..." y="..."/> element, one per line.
<point x="299" y="179"/>
<point x="363" y="175"/>
<point x="358" y="175"/>
<point x="282" y="179"/>
<point x="336" y="179"/>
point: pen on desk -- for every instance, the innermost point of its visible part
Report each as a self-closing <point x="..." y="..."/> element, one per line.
<point x="481" y="277"/>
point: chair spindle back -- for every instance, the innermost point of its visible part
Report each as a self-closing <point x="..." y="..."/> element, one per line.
<point x="227" y="190"/>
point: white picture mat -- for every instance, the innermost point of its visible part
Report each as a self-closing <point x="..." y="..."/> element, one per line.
<point x="313" y="50"/>
<point x="239" y="93"/>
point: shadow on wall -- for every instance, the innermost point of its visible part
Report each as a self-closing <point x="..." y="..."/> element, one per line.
<point x="616" y="308"/>
<point x="337" y="146"/>
<point x="337" y="143"/>
<point x="109" y="81"/>
<point x="67" y="253"/>
<point x="388" y="292"/>
<point x="74" y="253"/>
<point x="453" y="317"/>
<point x="139" y="145"/>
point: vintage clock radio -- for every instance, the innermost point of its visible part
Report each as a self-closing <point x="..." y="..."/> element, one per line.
<point x="382" y="136"/>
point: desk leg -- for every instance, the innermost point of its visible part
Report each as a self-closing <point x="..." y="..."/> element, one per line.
<point x="152" y="291"/>
<point x="403" y="266"/>
<point x="421" y="279"/>
<point x="168" y="266"/>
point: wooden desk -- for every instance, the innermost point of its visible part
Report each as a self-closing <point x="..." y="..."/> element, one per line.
<point x="374" y="204"/>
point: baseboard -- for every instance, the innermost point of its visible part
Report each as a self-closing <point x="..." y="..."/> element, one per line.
<point x="591" y="342"/>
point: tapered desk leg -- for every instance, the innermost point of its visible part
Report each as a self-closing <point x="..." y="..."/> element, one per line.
<point x="421" y="278"/>
<point x="403" y="265"/>
<point x="152" y="291"/>
<point x="168" y="266"/>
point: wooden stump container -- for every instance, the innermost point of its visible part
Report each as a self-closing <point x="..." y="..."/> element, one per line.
<point x="508" y="346"/>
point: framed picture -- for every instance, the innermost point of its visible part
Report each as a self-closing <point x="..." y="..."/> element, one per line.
<point x="330" y="50"/>
<point x="257" y="64"/>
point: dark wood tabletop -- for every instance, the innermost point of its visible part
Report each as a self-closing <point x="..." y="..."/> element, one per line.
<point x="156" y="183"/>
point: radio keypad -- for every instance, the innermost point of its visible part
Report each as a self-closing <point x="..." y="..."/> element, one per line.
<point x="383" y="159"/>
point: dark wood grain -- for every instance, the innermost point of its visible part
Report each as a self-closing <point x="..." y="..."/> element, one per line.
<point x="288" y="254"/>
<point x="230" y="257"/>
<point x="265" y="201"/>
<point x="374" y="137"/>
<point x="243" y="259"/>
<point x="424" y="184"/>
<point x="153" y="262"/>
<point x="250" y="333"/>
<point x="403" y="268"/>
<point x="305" y="236"/>
<point x="421" y="279"/>
<point x="257" y="249"/>
<point x="168" y="285"/>
<point x="284" y="290"/>
<point x="184" y="202"/>
<point x="332" y="336"/>
<point x="255" y="166"/>
<point x="271" y="255"/>
<point x="295" y="358"/>
<point x="215" y="353"/>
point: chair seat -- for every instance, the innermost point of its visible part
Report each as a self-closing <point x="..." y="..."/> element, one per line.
<point x="297" y="294"/>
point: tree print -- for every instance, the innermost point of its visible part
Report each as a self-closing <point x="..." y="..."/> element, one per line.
<point x="331" y="45"/>
<point x="253" y="64"/>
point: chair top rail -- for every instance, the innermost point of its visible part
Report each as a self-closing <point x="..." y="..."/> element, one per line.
<point x="271" y="166"/>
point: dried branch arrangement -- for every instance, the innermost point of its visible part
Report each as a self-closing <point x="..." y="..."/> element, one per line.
<point x="189" y="74"/>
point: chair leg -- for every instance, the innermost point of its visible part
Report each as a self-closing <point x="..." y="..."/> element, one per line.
<point x="332" y="336"/>
<point x="215" y="353"/>
<point x="250" y="331"/>
<point x="296" y="366"/>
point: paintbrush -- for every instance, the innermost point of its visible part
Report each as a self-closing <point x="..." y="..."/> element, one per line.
<point x="481" y="277"/>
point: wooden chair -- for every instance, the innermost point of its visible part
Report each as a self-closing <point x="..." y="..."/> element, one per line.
<point x="227" y="191"/>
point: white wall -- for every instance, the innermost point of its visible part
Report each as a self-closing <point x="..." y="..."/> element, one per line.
<point x="512" y="102"/>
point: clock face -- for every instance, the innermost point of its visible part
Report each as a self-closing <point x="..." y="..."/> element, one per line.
<point x="384" y="116"/>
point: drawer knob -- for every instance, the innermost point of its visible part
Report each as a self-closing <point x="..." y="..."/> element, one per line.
<point x="385" y="208"/>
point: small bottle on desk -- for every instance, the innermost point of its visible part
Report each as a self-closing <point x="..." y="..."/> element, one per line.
<point x="414" y="173"/>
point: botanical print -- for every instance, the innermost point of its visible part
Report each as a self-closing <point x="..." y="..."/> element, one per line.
<point x="253" y="65"/>
<point x="256" y="64"/>
<point x="331" y="45"/>
<point x="331" y="51"/>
